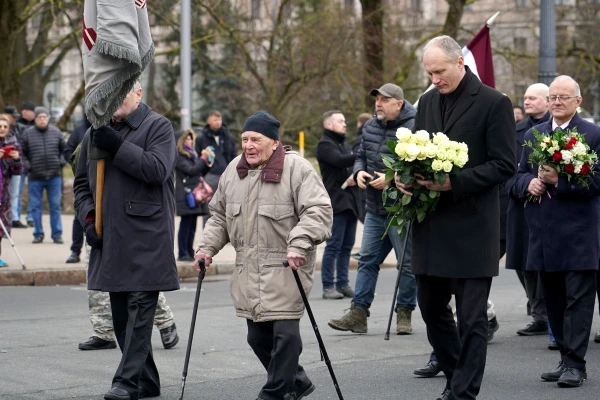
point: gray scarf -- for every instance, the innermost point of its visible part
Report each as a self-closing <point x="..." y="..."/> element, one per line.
<point x="117" y="47"/>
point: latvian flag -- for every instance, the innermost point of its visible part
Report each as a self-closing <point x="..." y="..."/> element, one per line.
<point x="478" y="56"/>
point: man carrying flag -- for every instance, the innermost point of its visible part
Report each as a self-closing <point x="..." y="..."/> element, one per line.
<point x="132" y="254"/>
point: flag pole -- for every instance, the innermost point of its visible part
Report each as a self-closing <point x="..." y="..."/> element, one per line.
<point x="492" y="19"/>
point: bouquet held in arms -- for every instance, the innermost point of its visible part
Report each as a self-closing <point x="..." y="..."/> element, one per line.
<point x="429" y="157"/>
<point x="567" y="152"/>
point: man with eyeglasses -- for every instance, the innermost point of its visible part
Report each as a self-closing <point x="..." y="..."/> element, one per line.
<point x="563" y="236"/>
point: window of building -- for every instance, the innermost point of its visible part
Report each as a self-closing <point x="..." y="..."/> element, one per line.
<point x="255" y="9"/>
<point x="520" y="92"/>
<point x="520" y="44"/>
<point x="416" y="5"/>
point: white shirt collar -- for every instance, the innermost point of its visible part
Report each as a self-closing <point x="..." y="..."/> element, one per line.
<point x="563" y="126"/>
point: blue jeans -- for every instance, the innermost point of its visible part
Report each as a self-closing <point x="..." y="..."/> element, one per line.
<point x="337" y="252"/>
<point x="19" y="203"/>
<point x="53" y="192"/>
<point x="15" y="199"/>
<point x="373" y="252"/>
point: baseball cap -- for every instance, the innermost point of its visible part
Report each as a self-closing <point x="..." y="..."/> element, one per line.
<point x="12" y="110"/>
<point x="389" y="90"/>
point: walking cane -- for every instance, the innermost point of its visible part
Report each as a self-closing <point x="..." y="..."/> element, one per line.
<point x="316" y="329"/>
<point x="192" y="326"/>
<point x="387" y="333"/>
<point x="12" y="244"/>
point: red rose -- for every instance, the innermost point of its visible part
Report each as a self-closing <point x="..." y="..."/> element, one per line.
<point x="573" y="140"/>
<point x="557" y="156"/>
<point x="568" y="146"/>
<point x="570" y="168"/>
<point x="585" y="169"/>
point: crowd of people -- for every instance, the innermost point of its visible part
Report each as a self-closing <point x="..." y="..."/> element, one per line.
<point x="274" y="209"/>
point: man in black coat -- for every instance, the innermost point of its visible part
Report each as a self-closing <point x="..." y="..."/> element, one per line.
<point x="517" y="232"/>
<point x="134" y="258"/>
<point x="335" y="162"/>
<point x="564" y="235"/>
<point x="393" y="112"/>
<point x="361" y="121"/>
<point x="77" y="234"/>
<point x="456" y="248"/>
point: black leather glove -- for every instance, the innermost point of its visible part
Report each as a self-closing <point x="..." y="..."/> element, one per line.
<point x="106" y="138"/>
<point x="90" y="235"/>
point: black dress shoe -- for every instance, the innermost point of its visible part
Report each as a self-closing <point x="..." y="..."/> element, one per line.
<point x="553" y="376"/>
<point x="73" y="258"/>
<point x="597" y="337"/>
<point x="493" y="326"/>
<point x="169" y="336"/>
<point x="96" y="343"/>
<point x="18" y="224"/>
<point x="117" y="393"/>
<point x="552" y="345"/>
<point x="303" y="392"/>
<point x="446" y="395"/>
<point x="429" y="371"/>
<point x="572" y="377"/>
<point x="534" y="328"/>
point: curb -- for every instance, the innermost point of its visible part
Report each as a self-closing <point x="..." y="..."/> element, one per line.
<point x="77" y="275"/>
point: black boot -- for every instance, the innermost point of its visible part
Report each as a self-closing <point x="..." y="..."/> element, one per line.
<point x="429" y="371"/>
<point x="96" y="343"/>
<point x="169" y="336"/>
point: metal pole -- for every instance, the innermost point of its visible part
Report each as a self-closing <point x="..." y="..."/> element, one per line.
<point x="547" y="66"/>
<point x="186" y="64"/>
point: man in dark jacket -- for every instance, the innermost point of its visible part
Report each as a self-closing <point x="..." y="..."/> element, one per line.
<point x="134" y="257"/>
<point x="335" y="161"/>
<point x="393" y="112"/>
<point x="564" y="235"/>
<point x="77" y="235"/>
<point x="456" y="248"/>
<point x="217" y="135"/>
<point x="361" y="121"/>
<point x="27" y="120"/>
<point x="43" y="148"/>
<point x="517" y="232"/>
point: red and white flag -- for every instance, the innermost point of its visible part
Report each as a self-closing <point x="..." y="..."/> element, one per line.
<point x="478" y="56"/>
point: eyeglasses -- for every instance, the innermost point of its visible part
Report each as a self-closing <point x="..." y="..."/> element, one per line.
<point x="562" y="99"/>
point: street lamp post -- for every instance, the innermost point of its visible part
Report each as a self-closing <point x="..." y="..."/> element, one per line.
<point x="547" y="64"/>
<point x="186" y="64"/>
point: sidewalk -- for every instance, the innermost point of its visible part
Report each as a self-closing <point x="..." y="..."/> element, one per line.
<point x="46" y="265"/>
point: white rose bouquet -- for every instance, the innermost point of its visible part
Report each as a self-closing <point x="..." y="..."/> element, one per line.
<point x="431" y="156"/>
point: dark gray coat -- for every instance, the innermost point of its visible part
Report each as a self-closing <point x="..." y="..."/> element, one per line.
<point x="187" y="175"/>
<point x="461" y="238"/>
<point x="376" y="134"/>
<point x="43" y="152"/>
<point x="138" y="207"/>
<point x="517" y="231"/>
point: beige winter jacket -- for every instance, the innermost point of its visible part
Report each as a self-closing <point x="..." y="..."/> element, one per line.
<point x="265" y="214"/>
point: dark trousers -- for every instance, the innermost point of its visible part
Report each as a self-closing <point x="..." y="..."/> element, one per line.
<point x="570" y="299"/>
<point x="336" y="257"/>
<point x="460" y="352"/>
<point x="185" y="236"/>
<point x="77" y="237"/>
<point x="133" y="314"/>
<point x="278" y="345"/>
<point x="535" y="295"/>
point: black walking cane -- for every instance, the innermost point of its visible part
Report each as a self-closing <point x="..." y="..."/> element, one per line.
<point x="387" y="333"/>
<point x="192" y="326"/>
<point x="316" y="329"/>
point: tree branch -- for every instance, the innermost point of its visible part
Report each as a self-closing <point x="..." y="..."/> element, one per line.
<point x="45" y="55"/>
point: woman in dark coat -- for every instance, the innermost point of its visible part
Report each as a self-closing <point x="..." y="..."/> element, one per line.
<point x="188" y="170"/>
<point x="10" y="164"/>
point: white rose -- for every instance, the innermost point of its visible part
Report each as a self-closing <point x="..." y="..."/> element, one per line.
<point x="577" y="165"/>
<point x="403" y="134"/>
<point x="422" y="153"/>
<point x="422" y="137"/>
<point x="441" y="154"/>
<point x="439" y="138"/>
<point x="401" y="150"/>
<point x="412" y="151"/>
<point x="437" y="165"/>
<point x="579" y="149"/>
<point x="450" y="155"/>
<point x="453" y="145"/>
<point x="461" y="160"/>
<point x="463" y="147"/>
<point x="447" y="166"/>
<point x="567" y="156"/>
<point x="431" y="150"/>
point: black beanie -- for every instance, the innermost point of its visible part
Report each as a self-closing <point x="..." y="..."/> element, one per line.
<point x="263" y="122"/>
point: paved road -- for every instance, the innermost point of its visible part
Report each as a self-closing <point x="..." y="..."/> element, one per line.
<point x="41" y="326"/>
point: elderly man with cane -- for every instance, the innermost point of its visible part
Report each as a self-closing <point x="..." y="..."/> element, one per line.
<point x="272" y="206"/>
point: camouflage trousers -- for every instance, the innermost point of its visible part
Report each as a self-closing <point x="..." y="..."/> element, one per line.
<point x="101" y="315"/>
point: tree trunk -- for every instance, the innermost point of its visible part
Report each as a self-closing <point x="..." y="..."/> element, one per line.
<point x="372" y="27"/>
<point x="64" y="119"/>
<point x="453" y="18"/>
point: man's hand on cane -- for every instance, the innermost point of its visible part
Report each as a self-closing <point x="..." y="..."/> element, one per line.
<point x="295" y="260"/>
<point x="202" y="256"/>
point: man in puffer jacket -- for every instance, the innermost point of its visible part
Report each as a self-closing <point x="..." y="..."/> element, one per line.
<point x="393" y="112"/>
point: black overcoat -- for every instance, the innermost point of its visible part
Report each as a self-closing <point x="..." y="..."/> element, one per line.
<point x="138" y="207"/>
<point x="564" y="231"/>
<point x="460" y="239"/>
<point x="517" y="231"/>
